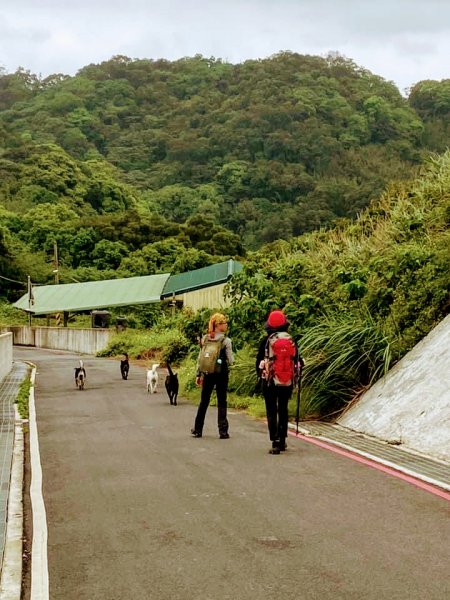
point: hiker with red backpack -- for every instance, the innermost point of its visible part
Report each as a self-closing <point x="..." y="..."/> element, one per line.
<point x="278" y="364"/>
<point x="214" y="359"/>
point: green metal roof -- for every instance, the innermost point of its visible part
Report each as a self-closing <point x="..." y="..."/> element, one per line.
<point x="200" y="278"/>
<point x="72" y="297"/>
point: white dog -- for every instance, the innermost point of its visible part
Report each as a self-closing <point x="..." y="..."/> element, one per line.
<point x="152" y="379"/>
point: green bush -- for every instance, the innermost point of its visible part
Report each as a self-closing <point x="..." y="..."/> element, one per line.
<point x="161" y="345"/>
<point x="12" y="316"/>
<point x="175" y="350"/>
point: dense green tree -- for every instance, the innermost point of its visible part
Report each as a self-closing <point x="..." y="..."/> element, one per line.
<point x="108" y="255"/>
<point x="431" y="100"/>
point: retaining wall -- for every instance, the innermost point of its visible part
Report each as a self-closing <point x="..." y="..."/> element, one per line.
<point x="6" y="354"/>
<point x="84" y="341"/>
<point x="411" y="404"/>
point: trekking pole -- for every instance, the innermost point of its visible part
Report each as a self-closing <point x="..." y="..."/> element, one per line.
<point x="299" y="387"/>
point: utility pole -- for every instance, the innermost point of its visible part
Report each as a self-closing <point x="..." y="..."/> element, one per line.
<point x="30" y="299"/>
<point x="56" y="274"/>
<point x="55" y="261"/>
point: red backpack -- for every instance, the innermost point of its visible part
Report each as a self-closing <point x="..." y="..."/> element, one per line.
<point x="280" y="359"/>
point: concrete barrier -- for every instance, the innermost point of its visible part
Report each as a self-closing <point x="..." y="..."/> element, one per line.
<point x="6" y="354"/>
<point x="84" y="341"/>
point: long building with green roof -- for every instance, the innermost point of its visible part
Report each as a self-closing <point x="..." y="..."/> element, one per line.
<point x="200" y="288"/>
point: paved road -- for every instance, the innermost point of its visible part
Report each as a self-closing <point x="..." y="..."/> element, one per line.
<point x="137" y="509"/>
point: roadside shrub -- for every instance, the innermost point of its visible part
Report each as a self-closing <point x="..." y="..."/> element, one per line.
<point x="129" y="341"/>
<point x="175" y="350"/>
<point x="12" y="316"/>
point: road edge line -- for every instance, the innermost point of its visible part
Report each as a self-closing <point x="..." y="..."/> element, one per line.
<point x="39" y="559"/>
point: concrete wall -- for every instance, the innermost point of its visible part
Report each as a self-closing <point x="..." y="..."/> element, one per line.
<point x="85" y="341"/>
<point x="411" y="404"/>
<point x="6" y="354"/>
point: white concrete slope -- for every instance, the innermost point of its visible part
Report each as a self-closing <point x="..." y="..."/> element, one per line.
<point x="411" y="404"/>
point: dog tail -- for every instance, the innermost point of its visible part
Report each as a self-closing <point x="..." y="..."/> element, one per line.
<point x="169" y="368"/>
<point x="81" y="364"/>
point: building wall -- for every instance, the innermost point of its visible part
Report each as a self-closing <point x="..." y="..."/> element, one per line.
<point x="6" y="354"/>
<point x="85" y="341"/>
<point x="211" y="297"/>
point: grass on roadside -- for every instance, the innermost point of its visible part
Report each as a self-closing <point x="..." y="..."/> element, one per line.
<point x="22" y="399"/>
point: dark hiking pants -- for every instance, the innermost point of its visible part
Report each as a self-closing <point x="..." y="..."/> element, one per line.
<point x="220" y="382"/>
<point x="277" y="398"/>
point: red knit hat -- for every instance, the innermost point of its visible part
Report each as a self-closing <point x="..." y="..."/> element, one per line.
<point x="276" y="319"/>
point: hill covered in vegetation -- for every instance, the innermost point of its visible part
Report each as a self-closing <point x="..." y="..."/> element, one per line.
<point x="139" y="166"/>
<point x="358" y="296"/>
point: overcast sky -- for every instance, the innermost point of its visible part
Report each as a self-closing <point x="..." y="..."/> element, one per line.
<point x="404" y="41"/>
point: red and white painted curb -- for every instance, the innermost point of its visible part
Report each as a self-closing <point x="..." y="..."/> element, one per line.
<point x="425" y="483"/>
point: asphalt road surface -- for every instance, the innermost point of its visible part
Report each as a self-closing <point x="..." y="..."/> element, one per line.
<point x="138" y="509"/>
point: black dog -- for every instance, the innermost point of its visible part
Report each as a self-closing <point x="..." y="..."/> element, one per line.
<point x="80" y="376"/>
<point x="124" y="367"/>
<point x="172" y="385"/>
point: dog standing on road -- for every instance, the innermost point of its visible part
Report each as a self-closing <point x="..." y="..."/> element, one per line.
<point x="124" y="367"/>
<point x="172" y="385"/>
<point x="152" y="379"/>
<point x="80" y="376"/>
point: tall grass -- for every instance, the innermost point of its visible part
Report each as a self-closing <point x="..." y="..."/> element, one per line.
<point x="343" y="356"/>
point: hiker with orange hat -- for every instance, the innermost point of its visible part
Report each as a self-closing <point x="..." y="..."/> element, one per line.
<point x="214" y="360"/>
<point x="278" y="364"/>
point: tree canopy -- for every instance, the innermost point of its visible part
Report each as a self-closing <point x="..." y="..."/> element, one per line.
<point x="131" y="158"/>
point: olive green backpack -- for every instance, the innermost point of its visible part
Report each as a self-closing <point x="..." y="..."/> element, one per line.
<point x="210" y="360"/>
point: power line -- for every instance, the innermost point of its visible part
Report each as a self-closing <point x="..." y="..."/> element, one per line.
<point x="13" y="280"/>
<point x="20" y="282"/>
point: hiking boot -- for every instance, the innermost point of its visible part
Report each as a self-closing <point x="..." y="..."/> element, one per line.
<point x="224" y="436"/>
<point x="275" y="448"/>
<point x="196" y="434"/>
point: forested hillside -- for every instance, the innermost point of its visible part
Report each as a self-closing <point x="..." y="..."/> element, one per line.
<point x="141" y="166"/>
<point x="358" y="297"/>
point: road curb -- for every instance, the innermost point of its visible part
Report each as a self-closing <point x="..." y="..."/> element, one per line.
<point x="434" y="486"/>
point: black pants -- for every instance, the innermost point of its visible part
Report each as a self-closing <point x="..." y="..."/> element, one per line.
<point x="220" y="382"/>
<point x="277" y="398"/>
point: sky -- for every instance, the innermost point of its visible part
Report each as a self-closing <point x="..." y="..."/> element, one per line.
<point x="404" y="41"/>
